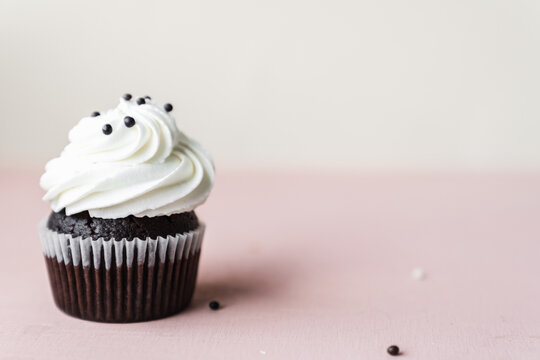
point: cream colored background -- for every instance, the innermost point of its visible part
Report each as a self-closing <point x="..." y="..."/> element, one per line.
<point x="359" y="84"/>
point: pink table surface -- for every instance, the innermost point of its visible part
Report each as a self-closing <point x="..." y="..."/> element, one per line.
<point x="313" y="266"/>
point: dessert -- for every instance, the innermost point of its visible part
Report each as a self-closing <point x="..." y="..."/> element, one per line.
<point x="122" y="243"/>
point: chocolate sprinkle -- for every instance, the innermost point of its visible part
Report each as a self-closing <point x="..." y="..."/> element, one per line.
<point x="127" y="97"/>
<point x="148" y="97"/>
<point x="140" y="101"/>
<point x="95" y="113"/>
<point x="168" y="107"/>
<point x="107" y="129"/>
<point x="214" y="305"/>
<point x="129" y="121"/>
<point x="393" y="350"/>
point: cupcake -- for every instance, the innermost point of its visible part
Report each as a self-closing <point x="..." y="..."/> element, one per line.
<point x="123" y="242"/>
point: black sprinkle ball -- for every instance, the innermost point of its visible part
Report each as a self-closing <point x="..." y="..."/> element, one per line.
<point x="129" y="121"/>
<point x="214" y="305"/>
<point x="107" y="129"/>
<point x="393" y="350"/>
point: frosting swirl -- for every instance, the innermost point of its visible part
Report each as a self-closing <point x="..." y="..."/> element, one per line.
<point x="146" y="169"/>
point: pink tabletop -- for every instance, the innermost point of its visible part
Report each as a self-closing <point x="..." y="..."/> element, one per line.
<point x="313" y="266"/>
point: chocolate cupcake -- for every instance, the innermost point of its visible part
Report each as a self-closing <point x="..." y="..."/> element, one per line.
<point x="122" y="243"/>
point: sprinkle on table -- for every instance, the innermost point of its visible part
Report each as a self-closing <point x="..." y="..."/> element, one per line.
<point x="393" y="350"/>
<point x="418" y="274"/>
<point x="214" y="305"/>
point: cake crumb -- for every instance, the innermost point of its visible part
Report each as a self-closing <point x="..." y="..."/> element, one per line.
<point x="262" y="352"/>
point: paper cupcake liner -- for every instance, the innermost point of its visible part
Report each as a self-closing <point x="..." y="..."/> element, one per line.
<point x="119" y="280"/>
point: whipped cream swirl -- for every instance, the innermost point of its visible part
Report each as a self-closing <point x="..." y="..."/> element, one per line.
<point x="148" y="169"/>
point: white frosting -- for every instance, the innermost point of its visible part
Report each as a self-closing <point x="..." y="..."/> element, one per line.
<point x="150" y="169"/>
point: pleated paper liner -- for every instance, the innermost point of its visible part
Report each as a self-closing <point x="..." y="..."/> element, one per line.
<point x="119" y="281"/>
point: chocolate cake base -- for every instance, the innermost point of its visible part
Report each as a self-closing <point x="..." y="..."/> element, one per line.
<point x="123" y="293"/>
<point x="121" y="270"/>
<point x="131" y="227"/>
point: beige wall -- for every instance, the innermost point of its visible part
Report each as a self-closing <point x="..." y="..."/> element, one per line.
<point x="362" y="84"/>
